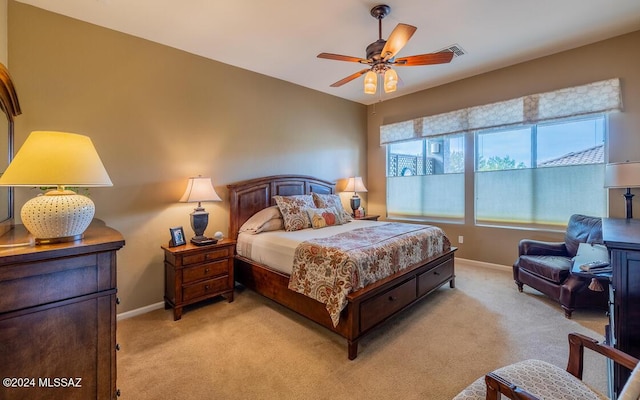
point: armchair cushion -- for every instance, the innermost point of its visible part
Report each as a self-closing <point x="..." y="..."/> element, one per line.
<point x="537" y="377"/>
<point x="553" y="268"/>
<point x="530" y="247"/>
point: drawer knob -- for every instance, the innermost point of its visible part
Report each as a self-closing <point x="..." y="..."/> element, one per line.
<point x="206" y="270"/>
<point x="393" y="298"/>
<point x="206" y="287"/>
<point x="436" y="273"/>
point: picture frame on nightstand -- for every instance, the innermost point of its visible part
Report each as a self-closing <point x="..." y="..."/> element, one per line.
<point x="177" y="237"/>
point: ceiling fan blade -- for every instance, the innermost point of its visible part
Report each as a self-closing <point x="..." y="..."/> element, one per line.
<point x="339" y="57"/>
<point x="398" y="38"/>
<point x="350" y="78"/>
<point x="442" y="57"/>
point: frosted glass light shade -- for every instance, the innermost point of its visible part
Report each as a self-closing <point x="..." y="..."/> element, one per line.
<point x="390" y="81"/>
<point x="370" y="82"/>
<point x="57" y="159"/>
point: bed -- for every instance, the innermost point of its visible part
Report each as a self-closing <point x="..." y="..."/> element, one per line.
<point x="366" y="308"/>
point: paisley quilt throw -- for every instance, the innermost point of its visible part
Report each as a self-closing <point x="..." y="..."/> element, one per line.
<point x="328" y="269"/>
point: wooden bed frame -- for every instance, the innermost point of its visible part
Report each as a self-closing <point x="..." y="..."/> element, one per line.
<point x="368" y="307"/>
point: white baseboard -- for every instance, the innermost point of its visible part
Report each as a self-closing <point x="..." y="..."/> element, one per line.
<point x="482" y="264"/>
<point x="141" y="310"/>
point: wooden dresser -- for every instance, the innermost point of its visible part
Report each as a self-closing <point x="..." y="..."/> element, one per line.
<point x="622" y="238"/>
<point x="58" y="317"/>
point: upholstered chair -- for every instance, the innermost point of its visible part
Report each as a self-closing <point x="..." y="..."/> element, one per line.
<point x="536" y="379"/>
<point x="546" y="267"/>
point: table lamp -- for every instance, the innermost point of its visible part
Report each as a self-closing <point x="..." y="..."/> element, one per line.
<point x="57" y="159"/>
<point x="355" y="185"/>
<point x="200" y="189"/>
<point x="623" y="175"/>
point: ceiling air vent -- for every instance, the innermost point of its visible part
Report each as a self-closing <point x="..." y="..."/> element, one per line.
<point x="455" y="49"/>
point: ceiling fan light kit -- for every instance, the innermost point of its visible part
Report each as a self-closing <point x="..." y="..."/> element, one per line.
<point x="381" y="56"/>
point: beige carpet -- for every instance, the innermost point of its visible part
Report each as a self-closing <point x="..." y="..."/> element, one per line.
<point x="254" y="349"/>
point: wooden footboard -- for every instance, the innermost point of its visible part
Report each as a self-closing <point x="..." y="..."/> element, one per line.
<point x="367" y="308"/>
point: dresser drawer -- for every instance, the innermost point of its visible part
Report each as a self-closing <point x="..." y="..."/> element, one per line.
<point x="209" y="270"/>
<point x="433" y="278"/>
<point x="48" y="281"/>
<point x="385" y="304"/>
<point x="205" y="288"/>
<point x="191" y="259"/>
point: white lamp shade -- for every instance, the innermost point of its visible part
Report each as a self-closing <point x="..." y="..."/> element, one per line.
<point x="199" y="189"/>
<point x="355" y="184"/>
<point x="622" y="175"/>
<point x="56" y="159"/>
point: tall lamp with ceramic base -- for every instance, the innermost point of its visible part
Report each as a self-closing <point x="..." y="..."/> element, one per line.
<point x="61" y="160"/>
<point x="355" y="185"/>
<point x="623" y="175"/>
<point x="200" y="189"/>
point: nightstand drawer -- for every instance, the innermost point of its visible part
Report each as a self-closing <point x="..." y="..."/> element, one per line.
<point x="216" y="268"/>
<point x="208" y="256"/>
<point x="205" y="288"/>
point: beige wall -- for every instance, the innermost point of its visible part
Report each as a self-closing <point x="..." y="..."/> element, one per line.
<point x="3" y="33"/>
<point x="617" y="57"/>
<point x="157" y="116"/>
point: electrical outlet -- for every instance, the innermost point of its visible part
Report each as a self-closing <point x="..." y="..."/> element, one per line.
<point x="460" y="239"/>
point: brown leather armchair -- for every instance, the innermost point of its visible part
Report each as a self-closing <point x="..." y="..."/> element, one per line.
<point x="546" y="266"/>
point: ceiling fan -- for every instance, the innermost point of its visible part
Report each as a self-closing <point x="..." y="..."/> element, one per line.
<point x="381" y="56"/>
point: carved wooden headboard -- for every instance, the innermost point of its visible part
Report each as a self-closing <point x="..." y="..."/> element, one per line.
<point x="248" y="197"/>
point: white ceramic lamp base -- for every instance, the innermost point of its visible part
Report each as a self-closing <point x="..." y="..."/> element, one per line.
<point x="57" y="216"/>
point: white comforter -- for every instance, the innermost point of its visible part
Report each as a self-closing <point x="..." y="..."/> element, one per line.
<point x="276" y="249"/>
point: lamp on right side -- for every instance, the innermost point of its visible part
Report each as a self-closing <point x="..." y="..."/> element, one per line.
<point x="623" y="175"/>
<point x="355" y="185"/>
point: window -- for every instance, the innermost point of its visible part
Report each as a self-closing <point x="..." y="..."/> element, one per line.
<point x="425" y="178"/>
<point x="537" y="159"/>
<point x="540" y="174"/>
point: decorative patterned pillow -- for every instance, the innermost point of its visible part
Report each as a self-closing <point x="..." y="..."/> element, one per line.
<point x="293" y="211"/>
<point x="323" y="217"/>
<point x="331" y="200"/>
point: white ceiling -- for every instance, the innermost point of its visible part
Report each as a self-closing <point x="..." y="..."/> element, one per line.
<point x="281" y="38"/>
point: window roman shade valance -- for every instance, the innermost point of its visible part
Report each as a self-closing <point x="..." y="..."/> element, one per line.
<point x="597" y="97"/>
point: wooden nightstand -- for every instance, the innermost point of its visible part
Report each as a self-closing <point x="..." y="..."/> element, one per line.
<point x="369" y="217"/>
<point x="195" y="273"/>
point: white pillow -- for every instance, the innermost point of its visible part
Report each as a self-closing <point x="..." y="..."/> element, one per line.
<point x="589" y="253"/>
<point x="268" y="219"/>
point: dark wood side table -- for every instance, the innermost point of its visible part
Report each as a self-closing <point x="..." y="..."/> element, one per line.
<point x="195" y="273"/>
<point x="58" y="316"/>
<point x="369" y="217"/>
